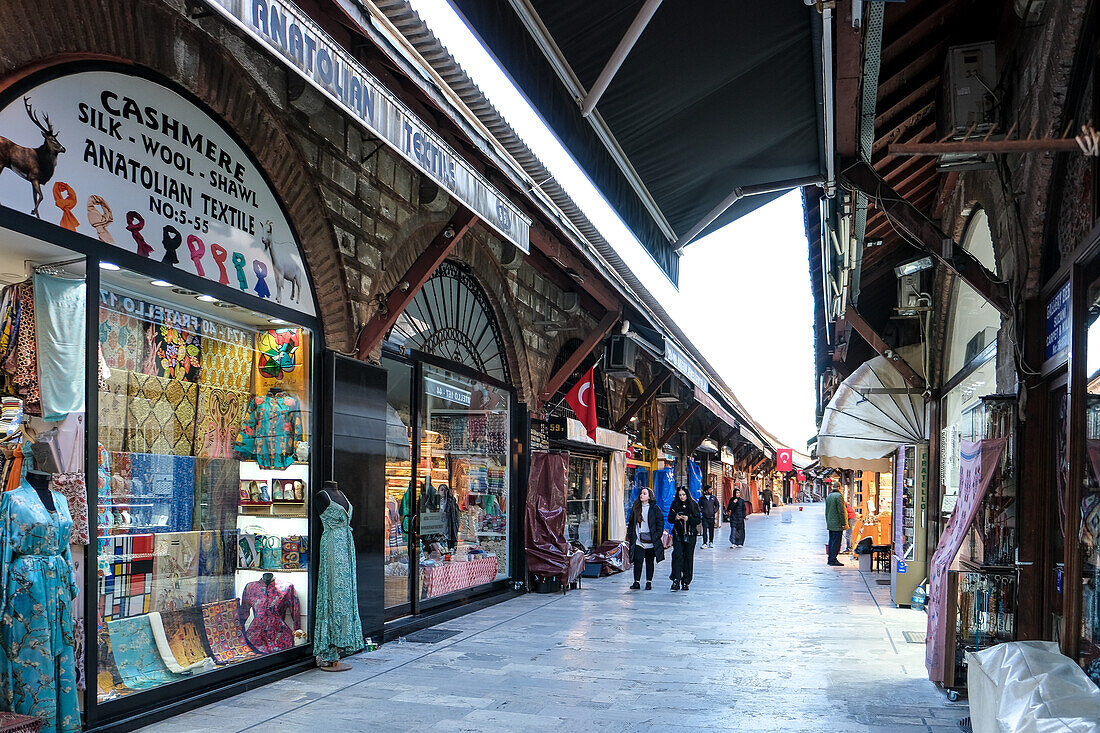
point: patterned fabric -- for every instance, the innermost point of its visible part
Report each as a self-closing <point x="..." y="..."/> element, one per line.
<point x="217" y="482"/>
<point x="222" y="623"/>
<point x="112" y="410"/>
<point x="23" y="360"/>
<point x="160" y="415"/>
<point x="109" y="684"/>
<point x="271" y="430"/>
<point x="225" y="365"/>
<point x="270" y="604"/>
<point x="135" y="653"/>
<point x="176" y="571"/>
<point x="37" y="587"/>
<point x="166" y="487"/>
<point x="282" y="358"/>
<point x="217" y="565"/>
<point x="452" y="576"/>
<point x="73" y="488"/>
<point x="249" y="547"/>
<point x="178" y="352"/>
<point x="105" y="514"/>
<point x="180" y="641"/>
<point x="125" y="576"/>
<point x="338" y="631"/>
<point x="219" y="421"/>
<point x="122" y="492"/>
<point x="120" y="338"/>
<point x="292" y="552"/>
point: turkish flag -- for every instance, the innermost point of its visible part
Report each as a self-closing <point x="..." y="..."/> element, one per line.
<point x="582" y="398"/>
<point x="784" y="459"/>
<point x="801" y="476"/>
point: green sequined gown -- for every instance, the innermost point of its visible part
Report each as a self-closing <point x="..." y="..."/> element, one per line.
<point x="337" y="631"/>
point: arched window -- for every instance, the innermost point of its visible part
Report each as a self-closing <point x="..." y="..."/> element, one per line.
<point x="451" y="318"/>
<point x="972" y="322"/>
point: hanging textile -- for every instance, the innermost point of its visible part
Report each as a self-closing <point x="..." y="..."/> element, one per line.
<point x="176" y="571"/>
<point x="226" y="365"/>
<point x="219" y="421"/>
<point x="59" y="331"/>
<point x="616" y="476"/>
<point x="217" y="565"/>
<point x="338" y="630"/>
<point x="160" y="415"/>
<point x="216" y="492"/>
<point x="22" y="361"/>
<point x="121" y="340"/>
<point x="125" y="576"/>
<point x="270" y="430"/>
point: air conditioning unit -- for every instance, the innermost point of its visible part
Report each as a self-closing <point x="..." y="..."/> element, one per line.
<point x="670" y="391"/>
<point x="620" y="356"/>
<point x="971" y="77"/>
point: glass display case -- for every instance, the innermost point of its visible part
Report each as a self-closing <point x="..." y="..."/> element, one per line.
<point x="909" y="566"/>
<point x="983" y="605"/>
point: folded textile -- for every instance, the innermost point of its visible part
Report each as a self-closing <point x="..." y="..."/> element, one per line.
<point x="180" y="640"/>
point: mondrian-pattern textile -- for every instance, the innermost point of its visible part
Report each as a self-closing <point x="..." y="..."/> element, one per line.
<point x="166" y="487"/>
<point x="224" y="633"/>
<point x="219" y="421"/>
<point x="121" y="340"/>
<point x="226" y="365"/>
<point x="217" y="488"/>
<point x="135" y="653"/>
<point x="112" y="410"/>
<point x="125" y="576"/>
<point x="176" y="571"/>
<point x="160" y="415"/>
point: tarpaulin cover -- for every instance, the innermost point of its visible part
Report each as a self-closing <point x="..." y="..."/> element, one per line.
<point x="616" y="478"/>
<point x="664" y="488"/>
<point x="695" y="479"/>
<point x="1029" y="687"/>
<point x="548" y="551"/>
<point x="614" y="555"/>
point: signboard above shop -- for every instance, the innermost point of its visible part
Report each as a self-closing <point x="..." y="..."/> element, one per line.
<point x="310" y="52"/>
<point x="1057" y="328"/>
<point x="683" y="363"/>
<point x="132" y="163"/>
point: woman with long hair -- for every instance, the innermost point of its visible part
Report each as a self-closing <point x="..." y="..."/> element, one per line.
<point x="684" y="517"/>
<point x="644" y="529"/>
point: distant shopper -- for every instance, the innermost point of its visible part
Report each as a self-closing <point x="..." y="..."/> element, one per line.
<point x="835" y="519"/>
<point x="766" y="496"/>
<point x="684" y="517"/>
<point x="708" y="509"/>
<point x="735" y="515"/>
<point x="848" y="530"/>
<point x="643" y="533"/>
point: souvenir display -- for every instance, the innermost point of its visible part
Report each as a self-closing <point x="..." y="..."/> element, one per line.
<point x="255" y="491"/>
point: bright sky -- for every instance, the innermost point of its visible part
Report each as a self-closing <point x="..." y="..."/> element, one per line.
<point x="744" y="297"/>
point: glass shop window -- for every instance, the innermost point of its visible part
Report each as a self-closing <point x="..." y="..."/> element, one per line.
<point x="464" y="497"/>
<point x="204" y="449"/>
<point x="399" y="481"/>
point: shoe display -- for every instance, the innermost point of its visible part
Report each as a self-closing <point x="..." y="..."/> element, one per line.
<point x="635" y="585"/>
<point x="675" y="585"/>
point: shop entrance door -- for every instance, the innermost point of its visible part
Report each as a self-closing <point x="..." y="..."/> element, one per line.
<point x="582" y="504"/>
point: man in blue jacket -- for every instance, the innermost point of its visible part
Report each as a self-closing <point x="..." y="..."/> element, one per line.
<point x="836" y="517"/>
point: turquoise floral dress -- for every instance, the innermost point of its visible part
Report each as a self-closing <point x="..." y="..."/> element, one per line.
<point x="37" y="588"/>
<point x="338" y="631"/>
<point x="270" y="430"/>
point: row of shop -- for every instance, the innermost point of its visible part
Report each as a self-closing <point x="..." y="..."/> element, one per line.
<point x="226" y="282"/>
<point x="955" y="319"/>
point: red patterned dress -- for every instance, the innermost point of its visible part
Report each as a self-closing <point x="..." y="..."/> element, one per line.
<point x="270" y="603"/>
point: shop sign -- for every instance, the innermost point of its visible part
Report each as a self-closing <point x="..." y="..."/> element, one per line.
<point x="315" y="56"/>
<point x="1057" y="332"/>
<point x="557" y="428"/>
<point x="124" y="160"/>
<point x="431" y="523"/>
<point x="903" y="567"/>
<point x="682" y="363"/>
<point x="727" y="455"/>
<point x="448" y="392"/>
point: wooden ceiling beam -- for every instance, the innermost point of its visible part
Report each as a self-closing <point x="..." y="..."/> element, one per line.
<point x="647" y="394"/>
<point x="917" y="34"/>
<point x="678" y="423"/>
<point x="905" y="77"/>
<point x="884" y="161"/>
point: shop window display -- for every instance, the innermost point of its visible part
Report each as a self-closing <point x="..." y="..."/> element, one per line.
<point x="203" y="546"/>
<point x="399" y="481"/>
<point x="463" y="495"/>
<point x="1088" y="539"/>
<point x="44" y="509"/>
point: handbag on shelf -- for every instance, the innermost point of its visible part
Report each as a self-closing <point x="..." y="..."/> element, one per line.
<point x="271" y="553"/>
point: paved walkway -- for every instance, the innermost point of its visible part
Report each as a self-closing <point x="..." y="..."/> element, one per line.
<point x="768" y="639"/>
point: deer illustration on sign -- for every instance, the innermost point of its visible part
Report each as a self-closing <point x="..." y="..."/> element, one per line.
<point x="33" y="164"/>
<point x="283" y="267"/>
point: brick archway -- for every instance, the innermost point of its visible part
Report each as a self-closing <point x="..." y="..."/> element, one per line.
<point x="194" y="55"/>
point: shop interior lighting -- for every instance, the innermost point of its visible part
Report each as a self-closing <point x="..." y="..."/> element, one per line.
<point x="160" y="283"/>
<point x="910" y="268"/>
<point x="109" y="266"/>
<point x="206" y="298"/>
<point x="276" y="321"/>
<point x="183" y="291"/>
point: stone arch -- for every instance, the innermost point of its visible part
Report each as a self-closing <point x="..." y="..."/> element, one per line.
<point x="197" y="57"/>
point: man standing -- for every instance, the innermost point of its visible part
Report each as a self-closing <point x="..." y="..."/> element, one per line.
<point x="835" y="518"/>
<point x="708" y="508"/>
<point x="766" y="496"/>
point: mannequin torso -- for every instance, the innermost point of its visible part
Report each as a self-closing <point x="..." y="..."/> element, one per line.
<point x="40" y="482"/>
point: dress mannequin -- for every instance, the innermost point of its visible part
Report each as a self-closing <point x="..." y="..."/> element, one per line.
<point x="338" y="629"/>
<point x="40" y="482"/>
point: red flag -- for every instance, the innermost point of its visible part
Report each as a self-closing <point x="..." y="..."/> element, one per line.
<point x="582" y="398"/>
<point x="784" y="459"/>
<point x="801" y="475"/>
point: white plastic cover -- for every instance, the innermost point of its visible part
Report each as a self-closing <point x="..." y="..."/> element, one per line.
<point x="1030" y="687"/>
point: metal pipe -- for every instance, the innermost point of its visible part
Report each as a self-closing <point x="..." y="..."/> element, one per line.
<point x="1037" y="145"/>
<point x="618" y="56"/>
<point x="827" y="67"/>
<point x="739" y="193"/>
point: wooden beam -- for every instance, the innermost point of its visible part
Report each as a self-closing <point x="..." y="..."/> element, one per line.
<point x="902" y="127"/>
<point x="923" y="233"/>
<point x="947" y="187"/>
<point x="706" y="434"/>
<point x="885" y="161"/>
<point x="901" y="366"/>
<point x="577" y="358"/>
<point x="574" y="265"/>
<point x="374" y="330"/>
<point x="904" y="78"/>
<point x="1027" y="145"/>
<point x="908" y="100"/>
<point x="643" y="400"/>
<point x="678" y="423"/>
<point x="917" y="34"/>
<point x="849" y="52"/>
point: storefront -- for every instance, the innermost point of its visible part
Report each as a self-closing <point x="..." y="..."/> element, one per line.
<point x="597" y="478"/>
<point x="191" y="489"/>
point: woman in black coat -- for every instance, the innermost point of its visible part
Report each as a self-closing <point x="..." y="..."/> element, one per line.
<point x="684" y="517"/>
<point x="735" y="514"/>
<point x="644" y="529"/>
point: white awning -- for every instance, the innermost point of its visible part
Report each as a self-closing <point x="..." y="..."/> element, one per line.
<point x="872" y="413"/>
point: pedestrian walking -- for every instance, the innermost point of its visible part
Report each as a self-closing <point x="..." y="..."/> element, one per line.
<point x="685" y="519"/>
<point x="643" y="533"/>
<point x="835" y="519"/>
<point x="708" y="510"/>
<point x="851" y="513"/>
<point x="766" y="497"/>
<point x="735" y="515"/>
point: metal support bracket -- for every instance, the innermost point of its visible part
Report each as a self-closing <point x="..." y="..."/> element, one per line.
<point x="910" y="375"/>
